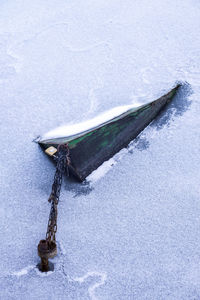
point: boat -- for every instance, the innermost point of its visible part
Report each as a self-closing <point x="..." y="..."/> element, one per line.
<point x="92" y="142"/>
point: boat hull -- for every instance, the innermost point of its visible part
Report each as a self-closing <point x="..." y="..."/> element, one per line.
<point x="89" y="151"/>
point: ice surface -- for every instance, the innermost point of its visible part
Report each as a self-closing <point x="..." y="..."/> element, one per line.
<point x="131" y="232"/>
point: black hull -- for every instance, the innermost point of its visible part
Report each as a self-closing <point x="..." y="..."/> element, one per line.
<point x="90" y="151"/>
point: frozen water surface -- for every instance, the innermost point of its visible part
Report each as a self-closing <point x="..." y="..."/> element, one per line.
<point x="131" y="231"/>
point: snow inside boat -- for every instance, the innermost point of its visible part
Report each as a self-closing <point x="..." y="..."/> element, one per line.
<point x="95" y="141"/>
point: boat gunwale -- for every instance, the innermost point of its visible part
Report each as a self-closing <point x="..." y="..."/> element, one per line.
<point x="70" y="138"/>
<point x="83" y="133"/>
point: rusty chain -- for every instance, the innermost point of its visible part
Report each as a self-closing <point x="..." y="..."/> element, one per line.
<point x="63" y="161"/>
<point x="47" y="248"/>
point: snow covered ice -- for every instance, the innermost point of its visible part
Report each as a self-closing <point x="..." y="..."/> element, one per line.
<point x="131" y="231"/>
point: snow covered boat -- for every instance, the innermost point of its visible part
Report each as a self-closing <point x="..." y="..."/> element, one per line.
<point x="95" y="141"/>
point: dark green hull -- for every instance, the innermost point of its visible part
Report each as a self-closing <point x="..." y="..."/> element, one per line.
<point x="89" y="151"/>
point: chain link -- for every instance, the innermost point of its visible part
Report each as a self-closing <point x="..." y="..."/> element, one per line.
<point x="63" y="161"/>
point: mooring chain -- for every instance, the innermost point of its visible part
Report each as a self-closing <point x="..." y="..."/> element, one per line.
<point x="62" y="164"/>
<point x="47" y="248"/>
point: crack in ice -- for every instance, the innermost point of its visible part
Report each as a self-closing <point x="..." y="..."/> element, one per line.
<point x="88" y="48"/>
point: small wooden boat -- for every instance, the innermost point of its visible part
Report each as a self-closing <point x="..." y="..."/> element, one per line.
<point x="95" y="141"/>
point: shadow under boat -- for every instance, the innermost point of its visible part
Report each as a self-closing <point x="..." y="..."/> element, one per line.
<point x="92" y="144"/>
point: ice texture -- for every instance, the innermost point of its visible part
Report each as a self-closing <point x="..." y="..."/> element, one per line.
<point x="132" y="230"/>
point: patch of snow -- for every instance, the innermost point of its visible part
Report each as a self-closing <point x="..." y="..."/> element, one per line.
<point x="43" y="274"/>
<point x="23" y="271"/>
<point x="101" y="171"/>
<point x="93" y="287"/>
<point x="69" y="131"/>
